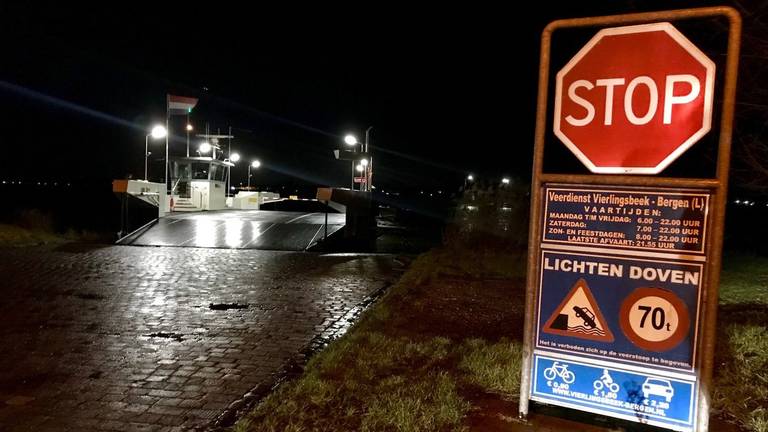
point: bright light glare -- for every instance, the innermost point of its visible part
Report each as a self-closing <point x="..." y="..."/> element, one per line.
<point x="189" y="127"/>
<point x="205" y="147"/>
<point x="159" y="132"/>
<point x="470" y="177"/>
<point x="359" y="168"/>
<point x="350" y="139"/>
<point x="364" y="162"/>
<point x="505" y="180"/>
<point x="234" y="157"/>
<point x="255" y="164"/>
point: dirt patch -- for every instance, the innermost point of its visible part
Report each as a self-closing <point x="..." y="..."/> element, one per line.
<point x="460" y="308"/>
<point x="489" y="412"/>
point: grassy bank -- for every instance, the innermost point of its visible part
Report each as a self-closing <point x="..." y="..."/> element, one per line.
<point x="741" y="374"/>
<point x="441" y="351"/>
<point x="34" y="228"/>
<point x="16" y="236"/>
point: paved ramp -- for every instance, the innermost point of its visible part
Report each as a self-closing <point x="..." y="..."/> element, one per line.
<point x="240" y="229"/>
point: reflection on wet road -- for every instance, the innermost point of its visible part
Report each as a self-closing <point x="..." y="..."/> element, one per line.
<point x="242" y="229"/>
<point x="161" y="339"/>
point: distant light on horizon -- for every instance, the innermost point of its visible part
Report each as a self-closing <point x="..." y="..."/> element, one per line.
<point x="470" y="177"/>
<point x="189" y="127"/>
<point x="255" y="164"/>
<point x="234" y="157"/>
<point x="505" y="180"/>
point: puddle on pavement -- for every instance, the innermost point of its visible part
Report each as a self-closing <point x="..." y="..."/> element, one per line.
<point x="89" y="296"/>
<point x="227" y="306"/>
<point x="175" y="336"/>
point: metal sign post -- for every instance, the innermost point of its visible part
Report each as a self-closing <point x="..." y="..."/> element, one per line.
<point x="623" y="270"/>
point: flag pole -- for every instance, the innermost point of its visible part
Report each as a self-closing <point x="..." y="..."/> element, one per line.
<point x="168" y="132"/>
<point x="187" y="128"/>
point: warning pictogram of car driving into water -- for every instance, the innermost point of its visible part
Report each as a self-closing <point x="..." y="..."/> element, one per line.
<point x="578" y="315"/>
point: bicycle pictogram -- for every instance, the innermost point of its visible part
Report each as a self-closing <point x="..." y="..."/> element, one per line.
<point x="561" y="371"/>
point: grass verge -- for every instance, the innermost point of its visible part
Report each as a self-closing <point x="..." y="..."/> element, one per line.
<point x="741" y="375"/>
<point x="15" y="236"/>
<point x="442" y="351"/>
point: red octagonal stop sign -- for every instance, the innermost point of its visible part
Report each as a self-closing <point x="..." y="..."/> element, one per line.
<point x="634" y="99"/>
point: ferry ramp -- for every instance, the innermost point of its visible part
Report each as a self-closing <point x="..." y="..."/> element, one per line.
<point x="239" y="229"/>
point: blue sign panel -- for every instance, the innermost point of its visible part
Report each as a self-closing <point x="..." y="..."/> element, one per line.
<point x="632" y="310"/>
<point x="645" y="398"/>
<point x="620" y="281"/>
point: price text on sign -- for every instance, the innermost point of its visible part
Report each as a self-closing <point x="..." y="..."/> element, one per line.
<point x="661" y="220"/>
<point x="660" y="400"/>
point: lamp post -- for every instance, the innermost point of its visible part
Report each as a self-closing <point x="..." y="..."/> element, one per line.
<point x="234" y="157"/>
<point x="351" y="141"/>
<point x="157" y="132"/>
<point x="367" y="164"/>
<point x="189" y="129"/>
<point x="255" y="164"/>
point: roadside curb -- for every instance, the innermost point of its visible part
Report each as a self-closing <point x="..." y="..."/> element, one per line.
<point x="294" y="367"/>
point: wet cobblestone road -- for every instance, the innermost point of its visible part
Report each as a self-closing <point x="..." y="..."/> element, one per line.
<point x="124" y="338"/>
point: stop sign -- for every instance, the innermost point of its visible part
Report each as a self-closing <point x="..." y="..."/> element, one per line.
<point x="634" y="99"/>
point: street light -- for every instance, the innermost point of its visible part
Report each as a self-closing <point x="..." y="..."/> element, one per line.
<point x="470" y="178"/>
<point x="365" y="166"/>
<point x="350" y="140"/>
<point x="234" y="157"/>
<point x="189" y="129"/>
<point x="205" y="147"/>
<point x="255" y="164"/>
<point x="505" y="181"/>
<point x="157" y="132"/>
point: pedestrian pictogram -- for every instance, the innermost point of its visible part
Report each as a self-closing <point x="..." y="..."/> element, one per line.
<point x="579" y="316"/>
<point x="654" y="319"/>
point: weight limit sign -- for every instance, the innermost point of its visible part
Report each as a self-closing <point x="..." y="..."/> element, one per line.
<point x="654" y="319"/>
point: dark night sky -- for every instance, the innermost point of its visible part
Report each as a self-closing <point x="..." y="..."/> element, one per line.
<point x="449" y="90"/>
